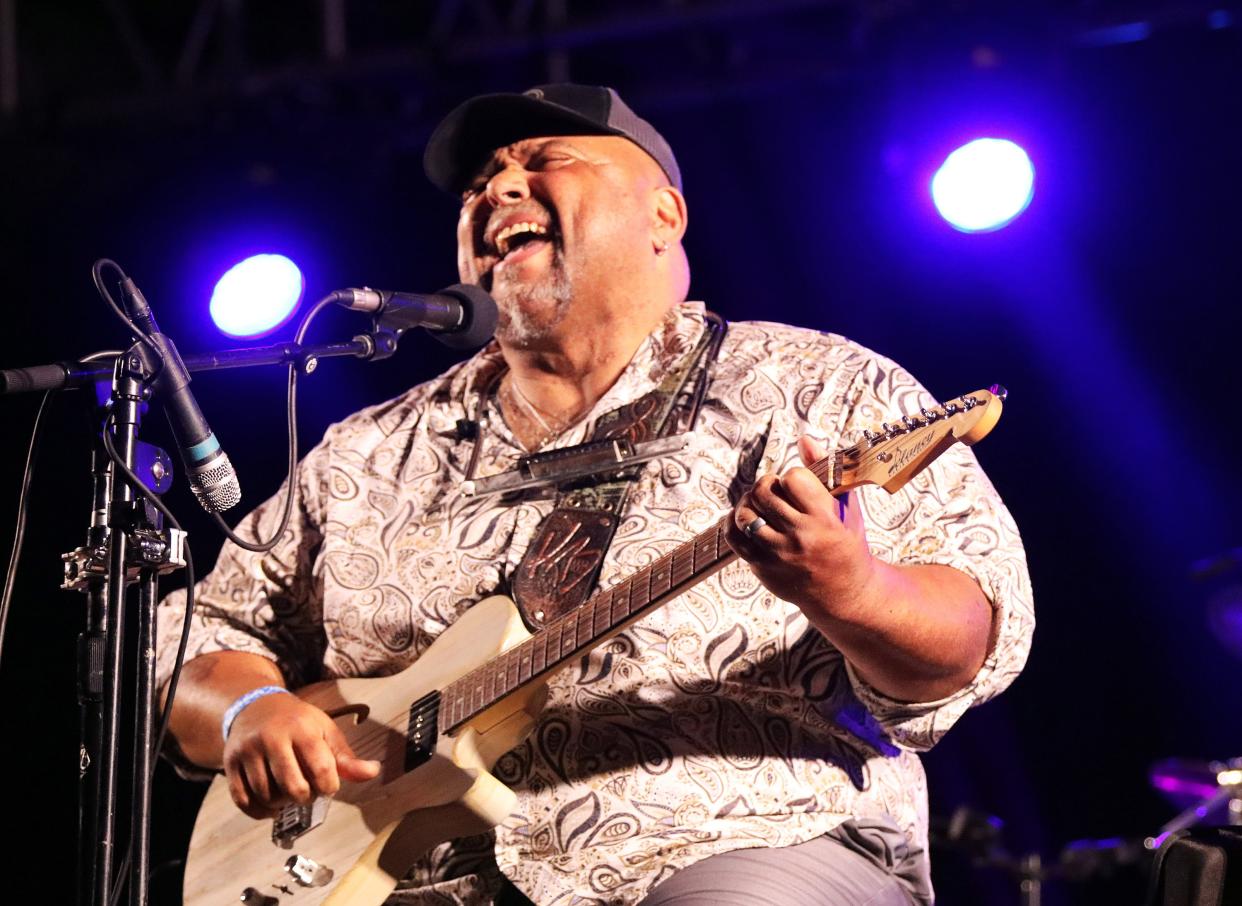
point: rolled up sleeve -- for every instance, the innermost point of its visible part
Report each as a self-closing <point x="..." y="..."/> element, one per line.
<point x="949" y="514"/>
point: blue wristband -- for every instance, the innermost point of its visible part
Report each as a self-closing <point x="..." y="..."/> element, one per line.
<point x="242" y="703"/>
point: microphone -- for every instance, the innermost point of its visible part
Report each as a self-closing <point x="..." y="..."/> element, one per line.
<point x="460" y="316"/>
<point x="212" y="477"/>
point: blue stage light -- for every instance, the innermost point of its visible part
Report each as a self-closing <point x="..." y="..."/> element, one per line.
<point x="983" y="185"/>
<point x="256" y="296"/>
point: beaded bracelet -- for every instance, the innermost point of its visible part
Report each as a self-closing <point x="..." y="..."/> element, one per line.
<point x="242" y="703"/>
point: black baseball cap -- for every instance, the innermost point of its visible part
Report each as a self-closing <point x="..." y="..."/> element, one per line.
<point x="465" y="138"/>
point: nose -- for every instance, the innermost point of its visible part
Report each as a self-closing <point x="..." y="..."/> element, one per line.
<point x="508" y="186"/>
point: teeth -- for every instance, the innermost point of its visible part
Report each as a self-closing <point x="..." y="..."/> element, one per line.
<point x="514" y="229"/>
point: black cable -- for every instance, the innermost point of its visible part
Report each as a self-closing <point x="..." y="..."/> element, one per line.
<point x="23" y="503"/>
<point x="136" y="483"/>
<point x="23" y="508"/>
<point x="97" y="275"/>
<point x="146" y="492"/>
<point x="291" y="422"/>
<point x="291" y="419"/>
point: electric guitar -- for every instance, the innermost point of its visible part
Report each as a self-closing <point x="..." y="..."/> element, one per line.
<point x="438" y="726"/>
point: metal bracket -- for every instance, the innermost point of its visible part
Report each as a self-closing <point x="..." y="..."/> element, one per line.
<point x="558" y="466"/>
<point x="162" y="551"/>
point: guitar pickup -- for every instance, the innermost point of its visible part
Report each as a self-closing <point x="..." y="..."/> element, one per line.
<point x="581" y="461"/>
<point x="420" y="732"/>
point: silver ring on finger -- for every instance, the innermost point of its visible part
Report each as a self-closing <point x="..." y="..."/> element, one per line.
<point x="752" y="528"/>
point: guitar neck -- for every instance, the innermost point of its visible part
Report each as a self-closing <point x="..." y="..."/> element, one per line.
<point x="889" y="458"/>
<point x="601" y="616"/>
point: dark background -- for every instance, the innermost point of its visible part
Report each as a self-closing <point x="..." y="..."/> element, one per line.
<point x="176" y="138"/>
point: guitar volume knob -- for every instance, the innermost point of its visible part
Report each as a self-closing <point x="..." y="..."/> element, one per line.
<point x="252" y="897"/>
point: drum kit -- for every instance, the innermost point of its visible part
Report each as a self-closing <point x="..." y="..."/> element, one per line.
<point x="1207" y="793"/>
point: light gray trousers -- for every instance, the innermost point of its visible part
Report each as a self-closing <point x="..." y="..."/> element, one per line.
<point x="862" y="863"/>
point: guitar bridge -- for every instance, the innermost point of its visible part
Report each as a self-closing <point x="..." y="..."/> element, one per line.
<point x="295" y="820"/>
<point x="420" y="732"/>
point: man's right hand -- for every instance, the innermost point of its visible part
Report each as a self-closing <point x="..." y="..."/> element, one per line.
<point x="281" y="749"/>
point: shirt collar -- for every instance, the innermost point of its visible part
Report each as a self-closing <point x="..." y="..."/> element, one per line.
<point x="659" y="351"/>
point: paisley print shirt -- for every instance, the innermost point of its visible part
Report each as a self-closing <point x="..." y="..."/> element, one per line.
<point x="720" y="721"/>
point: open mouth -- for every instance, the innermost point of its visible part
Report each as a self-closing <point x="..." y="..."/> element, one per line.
<point x="518" y="235"/>
<point x="514" y="243"/>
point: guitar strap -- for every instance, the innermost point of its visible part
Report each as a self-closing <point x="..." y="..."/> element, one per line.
<point x="562" y="564"/>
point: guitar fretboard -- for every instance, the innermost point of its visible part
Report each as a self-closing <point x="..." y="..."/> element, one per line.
<point x="603" y="614"/>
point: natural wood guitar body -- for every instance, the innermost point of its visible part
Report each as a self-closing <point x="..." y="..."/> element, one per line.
<point x="372" y="832"/>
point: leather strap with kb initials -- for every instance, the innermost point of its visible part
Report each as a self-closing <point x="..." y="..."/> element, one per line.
<point x="563" y="561"/>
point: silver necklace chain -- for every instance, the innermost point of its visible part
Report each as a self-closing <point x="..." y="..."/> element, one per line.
<point x="549" y="432"/>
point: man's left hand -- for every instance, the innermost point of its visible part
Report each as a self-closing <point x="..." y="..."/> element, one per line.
<point x="916" y="633"/>
<point x="811" y="548"/>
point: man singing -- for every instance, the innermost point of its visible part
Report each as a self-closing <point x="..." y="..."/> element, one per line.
<point x="754" y="740"/>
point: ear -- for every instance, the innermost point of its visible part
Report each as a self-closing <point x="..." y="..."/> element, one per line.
<point x="669" y="216"/>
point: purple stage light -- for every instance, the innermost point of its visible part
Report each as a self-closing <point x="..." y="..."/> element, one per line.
<point x="983" y="185"/>
<point x="256" y="296"/>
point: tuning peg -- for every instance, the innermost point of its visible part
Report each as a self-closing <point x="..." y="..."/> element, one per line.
<point x="998" y="391"/>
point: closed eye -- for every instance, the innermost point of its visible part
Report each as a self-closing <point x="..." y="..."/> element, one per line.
<point x="551" y="161"/>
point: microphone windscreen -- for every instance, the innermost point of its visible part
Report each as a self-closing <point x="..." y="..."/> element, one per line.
<point x="480" y="313"/>
<point x="215" y="484"/>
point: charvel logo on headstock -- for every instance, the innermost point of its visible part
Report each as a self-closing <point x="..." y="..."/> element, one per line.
<point x="903" y="457"/>
<point x="902" y="447"/>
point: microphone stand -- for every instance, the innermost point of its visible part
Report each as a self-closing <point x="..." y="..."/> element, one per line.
<point x="126" y="544"/>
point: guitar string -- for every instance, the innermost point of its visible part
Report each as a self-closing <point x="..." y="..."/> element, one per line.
<point x="641" y="577"/>
<point x="825" y="469"/>
<point x="380" y="733"/>
<point x="492" y="673"/>
<point x="383" y="731"/>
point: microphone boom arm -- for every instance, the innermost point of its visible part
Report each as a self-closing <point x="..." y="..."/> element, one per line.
<point x="379" y="344"/>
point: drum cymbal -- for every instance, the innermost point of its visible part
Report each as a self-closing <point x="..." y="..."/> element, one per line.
<point x="1186" y="780"/>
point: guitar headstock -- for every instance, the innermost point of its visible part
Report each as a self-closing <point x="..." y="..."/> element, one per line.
<point x="893" y="454"/>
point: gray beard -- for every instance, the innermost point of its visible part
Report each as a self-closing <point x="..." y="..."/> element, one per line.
<point x="532" y="312"/>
